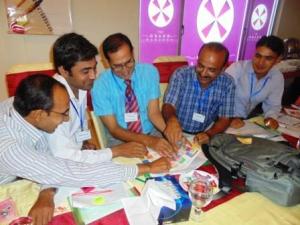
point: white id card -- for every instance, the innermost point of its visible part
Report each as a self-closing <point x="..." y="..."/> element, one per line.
<point x="198" y="117"/>
<point x="131" y="117"/>
<point x="84" y="135"/>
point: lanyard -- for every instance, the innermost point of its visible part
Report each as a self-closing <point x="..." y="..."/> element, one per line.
<point x="252" y="83"/>
<point x="198" y="91"/>
<point x="79" y="114"/>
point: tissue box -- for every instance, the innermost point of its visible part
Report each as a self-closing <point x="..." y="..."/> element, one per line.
<point x="183" y="203"/>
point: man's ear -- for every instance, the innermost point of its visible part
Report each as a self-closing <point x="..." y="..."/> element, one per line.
<point x="37" y="115"/>
<point x="63" y="72"/>
<point x="279" y="58"/>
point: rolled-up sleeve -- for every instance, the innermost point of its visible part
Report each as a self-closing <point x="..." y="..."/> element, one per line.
<point x="21" y="161"/>
<point x="272" y="104"/>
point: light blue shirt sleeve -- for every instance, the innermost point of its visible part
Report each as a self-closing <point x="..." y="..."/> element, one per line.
<point x="272" y="104"/>
<point x="101" y="96"/>
<point x="146" y="84"/>
<point x="267" y="90"/>
<point x="146" y="88"/>
<point x="155" y="92"/>
<point x="235" y="70"/>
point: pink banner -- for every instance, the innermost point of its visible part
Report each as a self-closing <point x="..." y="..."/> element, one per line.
<point x="159" y="28"/>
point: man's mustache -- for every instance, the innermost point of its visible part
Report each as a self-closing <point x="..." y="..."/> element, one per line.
<point x="205" y="77"/>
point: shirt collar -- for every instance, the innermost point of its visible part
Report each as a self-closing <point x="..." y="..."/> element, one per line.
<point x="82" y="93"/>
<point x="120" y="81"/>
<point x="35" y="133"/>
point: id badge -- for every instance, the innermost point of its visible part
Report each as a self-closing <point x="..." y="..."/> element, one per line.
<point x="131" y="117"/>
<point x="198" y="117"/>
<point x="84" y="135"/>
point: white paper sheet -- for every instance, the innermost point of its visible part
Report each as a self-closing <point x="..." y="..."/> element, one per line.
<point x="185" y="163"/>
<point x="99" y="196"/>
<point x="137" y="212"/>
<point x="145" y="209"/>
<point x="253" y="130"/>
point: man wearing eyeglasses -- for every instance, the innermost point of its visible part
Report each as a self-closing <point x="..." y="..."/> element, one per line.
<point x="126" y="97"/>
<point x="40" y="105"/>
<point x="200" y="99"/>
<point x="75" y="62"/>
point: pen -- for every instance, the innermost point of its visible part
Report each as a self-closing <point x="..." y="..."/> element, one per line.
<point x="20" y="3"/>
<point x="141" y="180"/>
<point x="282" y="125"/>
<point x="33" y="7"/>
<point x="262" y="126"/>
<point x="133" y="189"/>
<point x="93" y="193"/>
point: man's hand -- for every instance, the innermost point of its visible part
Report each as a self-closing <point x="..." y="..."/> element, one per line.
<point x="271" y="123"/>
<point x="162" y="146"/>
<point x="130" y="150"/>
<point x="173" y="132"/>
<point x="237" y="123"/>
<point x="161" y="165"/>
<point x="201" y="138"/>
<point x="43" y="209"/>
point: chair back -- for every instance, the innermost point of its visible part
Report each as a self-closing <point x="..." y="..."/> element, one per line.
<point x="100" y="130"/>
<point x="18" y="72"/>
<point x="166" y="65"/>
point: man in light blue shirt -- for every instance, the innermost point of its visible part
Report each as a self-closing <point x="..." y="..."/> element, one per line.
<point x="109" y="97"/>
<point x="257" y="81"/>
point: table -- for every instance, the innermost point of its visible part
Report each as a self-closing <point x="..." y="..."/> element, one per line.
<point x="241" y="209"/>
<point x="235" y="208"/>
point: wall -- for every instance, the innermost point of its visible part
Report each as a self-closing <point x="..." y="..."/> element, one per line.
<point x="95" y="19"/>
<point x="287" y="19"/>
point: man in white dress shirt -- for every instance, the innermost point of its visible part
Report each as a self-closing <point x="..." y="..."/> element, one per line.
<point x="40" y="105"/>
<point x="75" y="62"/>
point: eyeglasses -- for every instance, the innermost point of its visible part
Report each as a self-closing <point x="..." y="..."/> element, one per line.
<point x="119" y="67"/>
<point x="64" y="114"/>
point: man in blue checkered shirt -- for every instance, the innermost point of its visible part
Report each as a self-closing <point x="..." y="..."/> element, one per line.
<point x="200" y="99"/>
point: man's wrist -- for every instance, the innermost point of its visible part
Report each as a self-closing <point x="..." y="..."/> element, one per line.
<point x="115" y="151"/>
<point x="49" y="191"/>
<point x="144" y="168"/>
<point x="208" y="134"/>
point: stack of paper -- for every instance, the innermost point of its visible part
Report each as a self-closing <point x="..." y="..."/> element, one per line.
<point x="289" y="125"/>
<point x="188" y="158"/>
<point x="146" y="208"/>
<point x="253" y="129"/>
<point x="97" y="203"/>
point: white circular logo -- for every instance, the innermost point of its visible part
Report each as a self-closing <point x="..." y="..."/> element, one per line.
<point x="215" y="20"/>
<point x="259" y="17"/>
<point x="160" y="12"/>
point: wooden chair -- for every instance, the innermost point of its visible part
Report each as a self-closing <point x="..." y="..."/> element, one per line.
<point x="100" y="130"/>
<point x="18" y="72"/>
